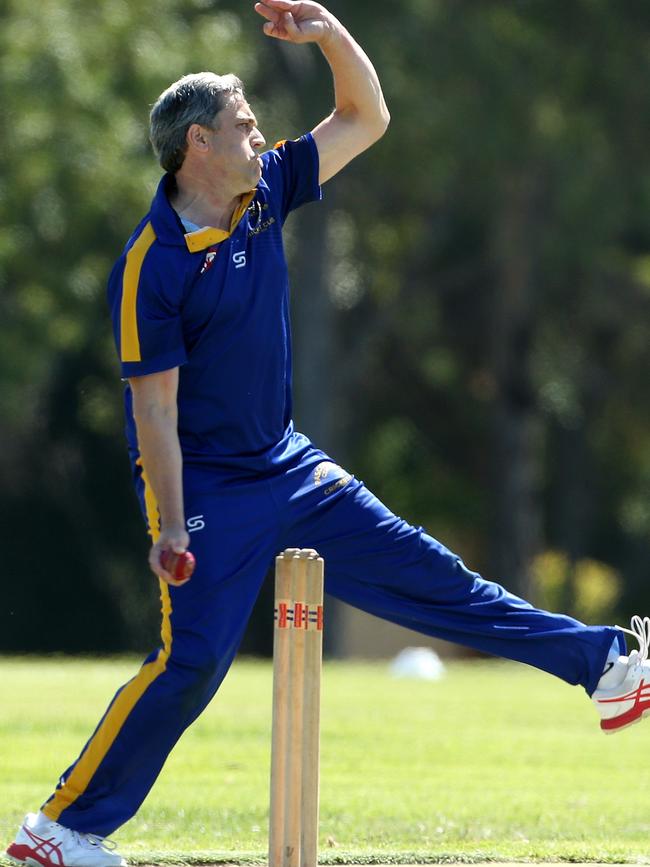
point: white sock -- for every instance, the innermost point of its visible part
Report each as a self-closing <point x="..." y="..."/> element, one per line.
<point x="615" y="668"/>
<point x="42" y="819"/>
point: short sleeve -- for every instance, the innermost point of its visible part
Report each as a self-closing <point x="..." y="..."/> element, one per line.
<point x="145" y="295"/>
<point x="291" y="173"/>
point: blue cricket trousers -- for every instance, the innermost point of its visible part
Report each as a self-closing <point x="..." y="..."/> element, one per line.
<point x="373" y="560"/>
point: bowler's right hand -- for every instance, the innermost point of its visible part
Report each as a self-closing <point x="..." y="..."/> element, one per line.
<point x="175" y="539"/>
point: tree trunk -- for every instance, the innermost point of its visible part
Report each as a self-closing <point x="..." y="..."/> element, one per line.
<point x="515" y="448"/>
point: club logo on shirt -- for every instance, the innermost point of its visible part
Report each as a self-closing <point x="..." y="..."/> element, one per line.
<point x="256" y="221"/>
<point x="239" y="258"/>
<point x="261" y="227"/>
<point x="210" y="256"/>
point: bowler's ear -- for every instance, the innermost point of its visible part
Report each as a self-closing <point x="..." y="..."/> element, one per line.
<point x="196" y="137"/>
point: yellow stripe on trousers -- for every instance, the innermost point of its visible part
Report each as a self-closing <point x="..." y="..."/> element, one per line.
<point x="111" y="725"/>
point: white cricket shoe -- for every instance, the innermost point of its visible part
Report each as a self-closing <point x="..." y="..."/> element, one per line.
<point x="42" y="843"/>
<point x="627" y="703"/>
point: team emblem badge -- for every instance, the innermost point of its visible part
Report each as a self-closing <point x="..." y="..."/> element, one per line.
<point x="210" y="256"/>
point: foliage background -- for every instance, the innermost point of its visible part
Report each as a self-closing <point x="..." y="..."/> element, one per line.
<point x="471" y="301"/>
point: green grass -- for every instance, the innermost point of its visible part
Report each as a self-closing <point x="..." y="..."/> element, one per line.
<point x="493" y="762"/>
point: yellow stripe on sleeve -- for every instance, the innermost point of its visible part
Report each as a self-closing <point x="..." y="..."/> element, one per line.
<point x="100" y="743"/>
<point x="129" y="337"/>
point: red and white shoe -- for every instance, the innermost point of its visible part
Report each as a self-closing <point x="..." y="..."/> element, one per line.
<point x="623" y="705"/>
<point x="42" y="843"/>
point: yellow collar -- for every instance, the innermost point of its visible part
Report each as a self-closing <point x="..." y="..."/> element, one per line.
<point x="208" y="236"/>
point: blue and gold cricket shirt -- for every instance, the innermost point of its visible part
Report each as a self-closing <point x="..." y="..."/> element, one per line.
<point x="216" y="305"/>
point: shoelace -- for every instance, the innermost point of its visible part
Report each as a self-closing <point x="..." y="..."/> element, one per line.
<point x="104" y="842"/>
<point x="641" y="631"/>
<point x="91" y="840"/>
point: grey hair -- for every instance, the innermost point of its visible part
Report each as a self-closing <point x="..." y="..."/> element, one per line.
<point x="196" y="98"/>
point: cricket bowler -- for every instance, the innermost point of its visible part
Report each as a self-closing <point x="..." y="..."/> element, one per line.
<point x="199" y="301"/>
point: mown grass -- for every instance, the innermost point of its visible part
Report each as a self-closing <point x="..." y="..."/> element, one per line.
<point x="495" y="761"/>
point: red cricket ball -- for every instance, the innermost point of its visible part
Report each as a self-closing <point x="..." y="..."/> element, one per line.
<point x="179" y="566"/>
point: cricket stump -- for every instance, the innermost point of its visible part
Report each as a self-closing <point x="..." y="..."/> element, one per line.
<point x="295" y="739"/>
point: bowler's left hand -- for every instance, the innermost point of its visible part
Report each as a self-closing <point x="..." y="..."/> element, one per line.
<point x="296" y="20"/>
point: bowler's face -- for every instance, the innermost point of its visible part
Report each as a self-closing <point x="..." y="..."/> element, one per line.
<point x="236" y="142"/>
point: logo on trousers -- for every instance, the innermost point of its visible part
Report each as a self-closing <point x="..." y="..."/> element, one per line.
<point x="327" y="468"/>
<point x="195" y="523"/>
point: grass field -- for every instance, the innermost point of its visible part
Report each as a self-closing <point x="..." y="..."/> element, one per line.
<point x="493" y="762"/>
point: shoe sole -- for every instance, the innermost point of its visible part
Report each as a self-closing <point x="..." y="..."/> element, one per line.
<point x="626" y="725"/>
<point x="28" y="862"/>
<point x="32" y="862"/>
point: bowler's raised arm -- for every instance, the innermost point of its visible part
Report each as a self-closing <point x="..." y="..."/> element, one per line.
<point x="360" y="116"/>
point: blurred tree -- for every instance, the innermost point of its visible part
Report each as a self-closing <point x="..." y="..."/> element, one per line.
<point x="471" y="305"/>
<point x="500" y="325"/>
<point x="77" y="174"/>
